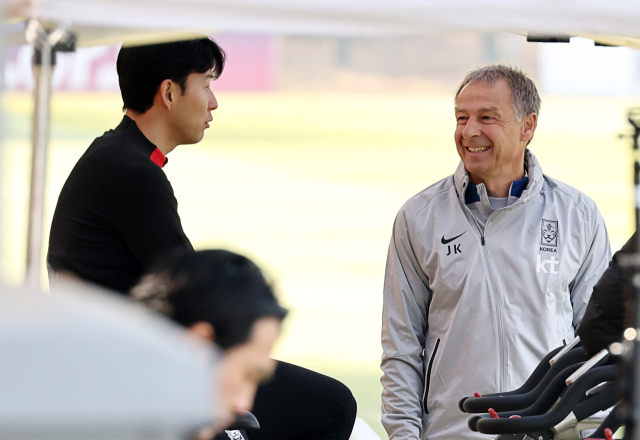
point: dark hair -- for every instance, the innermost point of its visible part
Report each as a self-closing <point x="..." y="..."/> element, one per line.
<point x="220" y="287"/>
<point x="141" y="69"/>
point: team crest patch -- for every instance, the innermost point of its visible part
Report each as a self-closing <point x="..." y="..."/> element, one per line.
<point x="549" y="233"/>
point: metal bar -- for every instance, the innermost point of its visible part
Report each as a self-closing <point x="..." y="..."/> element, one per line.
<point x="565" y="350"/>
<point x="586" y="367"/>
<point x="43" y="73"/>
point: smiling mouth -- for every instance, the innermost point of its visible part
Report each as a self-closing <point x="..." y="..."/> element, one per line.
<point x="477" y="149"/>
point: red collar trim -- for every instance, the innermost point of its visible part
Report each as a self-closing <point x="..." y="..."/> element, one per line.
<point x="158" y="158"/>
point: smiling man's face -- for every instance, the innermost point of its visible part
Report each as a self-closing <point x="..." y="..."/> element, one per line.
<point x="490" y="141"/>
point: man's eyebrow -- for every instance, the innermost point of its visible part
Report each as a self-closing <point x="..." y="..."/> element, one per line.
<point x="483" y="109"/>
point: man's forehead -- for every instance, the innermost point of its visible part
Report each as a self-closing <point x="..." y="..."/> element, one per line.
<point x="484" y="96"/>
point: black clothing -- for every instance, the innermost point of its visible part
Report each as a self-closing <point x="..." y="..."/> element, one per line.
<point x="611" y="308"/>
<point x="302" y="404"/>
<point x="299" y="404"/>
<point x="116" y="212"/>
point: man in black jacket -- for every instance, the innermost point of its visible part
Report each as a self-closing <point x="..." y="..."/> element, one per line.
<point x="117" y="213"/>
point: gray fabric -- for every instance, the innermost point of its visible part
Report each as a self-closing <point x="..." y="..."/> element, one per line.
<point x="501" y="202"/>
<point x="493" y="310"/>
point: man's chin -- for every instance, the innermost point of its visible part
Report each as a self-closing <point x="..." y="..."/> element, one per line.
<point x="475" y="167"/>
<point x="200" y="137"/>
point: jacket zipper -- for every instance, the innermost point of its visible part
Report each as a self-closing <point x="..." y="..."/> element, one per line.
<point x="499" y="313"/>
<point x="427" y="380"/>
<point x="503" y="366"/>
<point x="503" y="360"/>
<point x="499" y="302"/>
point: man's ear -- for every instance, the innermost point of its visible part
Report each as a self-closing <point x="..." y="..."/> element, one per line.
<point x="167" y="92"/>
<point x="529" y="127"/>
<point x="203" y="330"/>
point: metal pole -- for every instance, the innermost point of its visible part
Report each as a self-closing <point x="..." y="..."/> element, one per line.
<point x="43" y="73"/>
<point x="46" y="45"/>
<point x="2" y="150"/>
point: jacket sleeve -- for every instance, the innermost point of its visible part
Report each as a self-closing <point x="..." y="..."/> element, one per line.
<point x="604" y="321"/>
<point x="404" y="325"/>
<point x="592" y="268"/>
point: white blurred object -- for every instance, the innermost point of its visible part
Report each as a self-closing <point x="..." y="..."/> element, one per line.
<point x="582" y="68"/>
<point x="362" y="431"/>
<point x="100" y="22"/>
<point x="84" y="364"/>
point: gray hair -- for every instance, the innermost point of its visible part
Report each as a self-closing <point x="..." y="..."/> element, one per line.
<point x="525" y="95"/>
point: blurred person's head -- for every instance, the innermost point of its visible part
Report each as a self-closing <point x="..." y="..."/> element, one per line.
<point x="222" y="297"/>
<point x="496" y="110"/>
<point x="170" y="82"/>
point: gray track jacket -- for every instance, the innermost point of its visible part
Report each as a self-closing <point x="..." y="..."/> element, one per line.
<point x="471" y="309"/>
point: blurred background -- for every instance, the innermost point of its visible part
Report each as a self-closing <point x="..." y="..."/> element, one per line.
<point x="316" y="144"/>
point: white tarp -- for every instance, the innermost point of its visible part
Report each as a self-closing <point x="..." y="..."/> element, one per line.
<point x="109" y="21"/>
<point x="79" y="363"/>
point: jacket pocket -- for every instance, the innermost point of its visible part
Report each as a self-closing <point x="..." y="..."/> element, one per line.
<point x="427" y="379"/>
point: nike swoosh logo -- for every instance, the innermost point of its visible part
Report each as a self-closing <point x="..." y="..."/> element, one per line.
<point x="446" y="241"/>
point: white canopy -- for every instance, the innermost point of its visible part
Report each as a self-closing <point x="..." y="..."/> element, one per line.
<point x="110" y="21"/>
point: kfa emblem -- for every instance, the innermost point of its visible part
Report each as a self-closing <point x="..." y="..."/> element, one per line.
<point x="549" y="233"/>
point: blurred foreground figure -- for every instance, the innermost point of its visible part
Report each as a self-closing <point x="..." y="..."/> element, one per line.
<point x="488" y="270"/>
<point x="221" y="297"/>
<point x="117" y="213"/>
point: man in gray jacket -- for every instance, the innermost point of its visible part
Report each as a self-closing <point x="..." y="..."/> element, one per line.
<point x="488" y="270"/>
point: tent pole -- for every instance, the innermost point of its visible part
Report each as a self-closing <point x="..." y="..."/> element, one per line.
<point x="43" y="73"/>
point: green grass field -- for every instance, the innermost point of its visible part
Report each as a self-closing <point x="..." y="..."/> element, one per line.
<point x="309" y="185"/>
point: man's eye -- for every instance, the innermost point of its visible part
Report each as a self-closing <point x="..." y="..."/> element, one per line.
<point x="461" y="118"/>
<point x="488" y="118"/>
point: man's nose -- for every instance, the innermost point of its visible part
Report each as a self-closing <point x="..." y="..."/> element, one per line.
<point x="213" y="102"/>
<point x="244" y="399"/>
<point x="243" y="402"/>
<point x="471" y="129"/>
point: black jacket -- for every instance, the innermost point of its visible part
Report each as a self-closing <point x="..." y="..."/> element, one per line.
<point x="116" y="212"/>
<point x="611" y="308"/>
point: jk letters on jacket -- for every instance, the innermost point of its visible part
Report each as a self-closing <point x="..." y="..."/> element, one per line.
<point x="471" y="309"/>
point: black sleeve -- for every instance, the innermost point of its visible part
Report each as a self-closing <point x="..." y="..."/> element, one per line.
<point x="604" y="320"/>
<point x="146" y="214"/>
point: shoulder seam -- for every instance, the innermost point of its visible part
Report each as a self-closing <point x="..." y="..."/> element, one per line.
<point x="431" y="197"/>
<point x="573" y="199"/>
